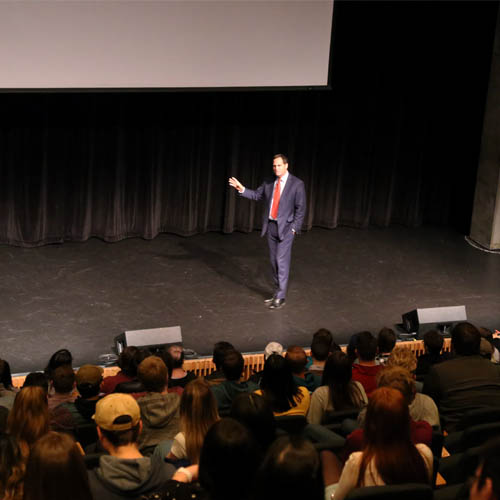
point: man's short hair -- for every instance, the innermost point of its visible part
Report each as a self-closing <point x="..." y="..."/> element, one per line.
<point x="153" y="374"/>
<point x="282" y="156"/>
<point x="232" y="366"/>
<point x="386" y="340"/>
<point x="465" y="339"/>
<point x="296" y="359"/>
<point x="63" y="379"/>
<point x="177" y="353"/>
<point x="220" y="349"/>
<point x="433" y="342"/>
<point x="366" y="346"/>
<point x="320" y="348"/>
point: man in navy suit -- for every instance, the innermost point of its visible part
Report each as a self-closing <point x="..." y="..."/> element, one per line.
<point x="285" y="199"/>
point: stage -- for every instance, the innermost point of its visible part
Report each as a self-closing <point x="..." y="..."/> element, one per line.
<point x="81" y="295"/>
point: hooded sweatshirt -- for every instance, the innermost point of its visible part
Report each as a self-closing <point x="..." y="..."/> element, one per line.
<point x="118" y="478"/>
<point x="160" y="418"/>
<point x="226" y="391"/>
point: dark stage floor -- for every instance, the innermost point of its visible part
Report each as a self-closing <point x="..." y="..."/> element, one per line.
<point x="81" y="295"/>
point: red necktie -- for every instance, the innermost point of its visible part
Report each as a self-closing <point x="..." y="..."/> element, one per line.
<point x="276" y="200"/>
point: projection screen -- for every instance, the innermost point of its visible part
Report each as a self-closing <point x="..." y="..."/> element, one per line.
<point x="130" y="44"/>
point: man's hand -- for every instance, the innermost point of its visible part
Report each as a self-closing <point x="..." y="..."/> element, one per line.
<point x="234" y="182"/>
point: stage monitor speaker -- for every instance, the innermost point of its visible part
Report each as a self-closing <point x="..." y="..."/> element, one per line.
<point x="438" y="315"/>
<point x="153" y="337"/>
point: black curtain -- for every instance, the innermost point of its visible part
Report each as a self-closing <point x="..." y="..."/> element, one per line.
<point x="395" y="140"/>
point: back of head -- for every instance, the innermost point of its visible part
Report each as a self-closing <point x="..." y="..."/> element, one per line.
<point x="56" y="470"/>
<point x="403" y="357"/>
<point x="12" y="468"/>
<point x="127" y="361"/>
<point x="386" y="340"/>
<point x="337" y="375"/>
<point x="465" y="339"/>
<point x="398" y="378"/>
<point x="59" y="358"/>
<point x="220" y="349"/>
<point x="433" y="342"/>
<point x="232" y="365"/>
<point x="291" y="470"/>
<point x="177" y="353"/>
<point x="63" y="379"/>
<point x="37" y="379"/>
<point x="277" y="384"/>
<point x="296" y="359"/>
<point x="366" y="346"/>
<point x="255" y="413"/>
<point x="320" y="348"/>
<point x="88" y="380"/>
<point x="324" y="334"/>
<point x="228" y="461"/>
<point x="5" y="375"/>
<point x="153" y="374"/>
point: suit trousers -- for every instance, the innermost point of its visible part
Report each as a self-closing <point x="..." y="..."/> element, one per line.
<point x="280" y="253"/>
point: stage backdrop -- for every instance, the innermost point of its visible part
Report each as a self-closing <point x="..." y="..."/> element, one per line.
<point x="395" y="141"/>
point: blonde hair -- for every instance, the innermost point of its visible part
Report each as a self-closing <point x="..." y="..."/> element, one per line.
<point x="398" y="378"/>
<point x="405" y="358"/>
<point x="198" y="411"/>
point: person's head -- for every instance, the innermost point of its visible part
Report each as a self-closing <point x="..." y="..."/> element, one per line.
<point x="465" y="339"/>
<point x="386" y="340"/>
<point x="168" y="360"/>
<point x="153" y="374"/>
<point x="198" y="411"/>
<point x="320" y="348"/>
<point x="232" y="365"/>
<point x="485" y="349"/>
<point x="5" y="375"/>
<point x="398" y="378"/>
<point x="324" y="334"/>
<point x="272" y="348"/>
<point x="88" y="380"/>
<point x="59" y="358"/>
<point x="291" y="470"/>
<point x="433" y="342"/>
<point x="296" y="359"/>
<point x="351" y="347"/>
<point x="56" y="470"/>
<point x="366" y="346"/>
<point x="278" y="385"/>
<point x="39" y="379"/>
<point x="118" y="420"/>
<point x="127" y="361"/>
<point x="177" y="353"/>
<point x="29" y="417"/>
<point x="228" y="461"/>
<point x="486" y="483"/>
<point x="220" y="349"/>
<point x="12" y="467"/>
<point x="404" y="358"/>
<point x="63" y="379"/>
<point x="486" y="333"/>
<point x="280" y="165"/>
<point x="255" y="413"/>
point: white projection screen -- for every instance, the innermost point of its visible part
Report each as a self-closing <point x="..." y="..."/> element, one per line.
<point x="162" y="44"/>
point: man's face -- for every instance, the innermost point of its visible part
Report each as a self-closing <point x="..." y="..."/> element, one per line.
<point x="279" y="167"/>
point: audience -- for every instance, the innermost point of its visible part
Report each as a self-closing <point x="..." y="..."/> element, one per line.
<point x="433" y="345"/>
<point x="297" y="360"/>
<point x="125" y="472"/>
<point x="159" y="409"/>
<point x="321" y="346"/>
<point x="12" y="468"/>
<point x="56" y="470"/>
<point x="220" y="349"/>
<point x="62" y="381"/>
<point x="338" y="391"/>
<point x="128" y="362"/>
<point x="386" y="340"/>
<point x="365" y="370"/>
<point x="466" y="382"/>
<point x="225" y="392"/>
<point x="487" y="335"/>
<point x="180" y="377"/>
<point x="280" y="390"/>
<point x="7" y="393"/>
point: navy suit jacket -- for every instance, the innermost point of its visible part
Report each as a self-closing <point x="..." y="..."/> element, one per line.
<point x="292" y="205"/>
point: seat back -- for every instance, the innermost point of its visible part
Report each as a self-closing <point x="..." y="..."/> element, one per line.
<point x="478" y="434"/>
<point x="291" y="424"/>
<point x="408" y="491"/>
<point x="477" y="417"/>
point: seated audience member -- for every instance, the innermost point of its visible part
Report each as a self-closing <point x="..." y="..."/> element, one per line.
<point x="290" y="470"/>
<point x="39" y="379"/>
<point x="159" y="409"/>
<point x="29" y="418"/>
<point x="12" y="467"/>
<point x="486" y="483"/>
<point x="280" y="390"/>
<point x="338" y="391"/>
<point x="125" y="472"/>
<point x="270" y="349"/>
<point x="71" y="415"/>
<point x="134" y="386"/>
<point x="225" y="392"/>
<point x="351" y="348"/>
<point x="388" y="457"/>
<point x="128" y="362"/>
<point x="386" y="341"/>
<point x="464" y="383"/>
<point x="220" y="349"/>
<point x="405" y="358"/>
<point x="433" y="345"/>
<point x="486" y="349"/>
<point x="62" y="380"/>
<point x="254" y="412"/>
<point x="59" y="358"/>
<point x="180" y="377"/>
<point x="297" y="360"/>
<point x="321" y="347"/>
<point x="56" y="470"/>
<point x="7" y="392"/>
<point x="420" y="429"/>
<point x="487" y="334"/>
<point x="198" y="412"/>
<point x="366" y="369"/>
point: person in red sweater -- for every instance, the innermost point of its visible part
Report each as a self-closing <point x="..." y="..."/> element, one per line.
<point x="365" y="370"/>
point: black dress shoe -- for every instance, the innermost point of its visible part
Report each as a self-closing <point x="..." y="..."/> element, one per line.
<point x="277" y="303"/>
